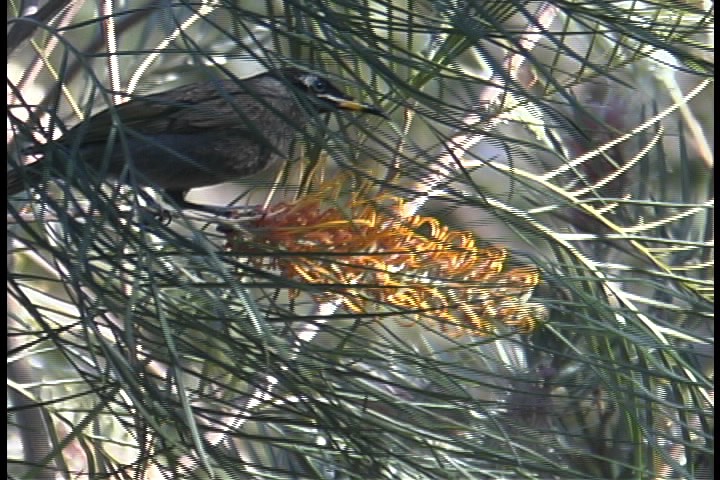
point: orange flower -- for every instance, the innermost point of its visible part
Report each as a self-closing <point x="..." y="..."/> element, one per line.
<point x="367" y="252"/>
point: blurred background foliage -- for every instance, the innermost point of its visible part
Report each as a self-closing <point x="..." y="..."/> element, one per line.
<point x="558" y="156"/>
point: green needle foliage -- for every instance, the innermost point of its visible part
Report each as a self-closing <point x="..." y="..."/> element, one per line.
<point x="510" y="278"/>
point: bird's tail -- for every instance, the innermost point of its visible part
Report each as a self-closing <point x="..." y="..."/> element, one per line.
<point x="20" y="178"/>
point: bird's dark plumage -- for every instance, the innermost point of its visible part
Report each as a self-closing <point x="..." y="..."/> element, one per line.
<point x="195" y="135"/>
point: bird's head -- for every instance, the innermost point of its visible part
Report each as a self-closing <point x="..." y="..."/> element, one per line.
<point x="325" y="96"/>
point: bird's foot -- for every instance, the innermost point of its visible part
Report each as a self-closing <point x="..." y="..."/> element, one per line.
<point x="153" y="214"/>
<point x="228" y="212"/>
<point x="234" y="218"/>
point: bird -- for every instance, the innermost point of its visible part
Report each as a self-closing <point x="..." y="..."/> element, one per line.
<point x="196" y="135"/>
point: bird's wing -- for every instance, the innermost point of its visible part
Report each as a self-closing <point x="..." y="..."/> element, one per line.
<point x="188" y="109"/>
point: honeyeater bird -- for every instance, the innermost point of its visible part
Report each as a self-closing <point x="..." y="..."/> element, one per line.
<point x="192" y="136"/>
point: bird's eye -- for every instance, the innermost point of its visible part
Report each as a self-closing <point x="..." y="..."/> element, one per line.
<point x="319" y="85"/>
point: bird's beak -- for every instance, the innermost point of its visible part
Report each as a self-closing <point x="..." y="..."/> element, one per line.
<point x="350" y="104"/>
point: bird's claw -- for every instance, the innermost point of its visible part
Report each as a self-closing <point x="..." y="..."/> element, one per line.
<point x="237" y="216"/>
<point x="153" y="214"/>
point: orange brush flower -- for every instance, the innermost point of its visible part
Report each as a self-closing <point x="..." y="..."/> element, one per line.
<point x="373" y="258"/>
